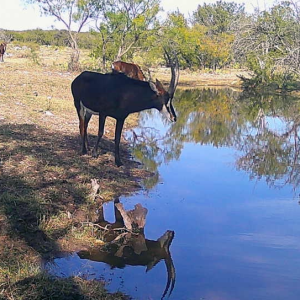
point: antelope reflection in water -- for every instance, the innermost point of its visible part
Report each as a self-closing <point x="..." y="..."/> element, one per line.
<point x="135" y="249"/>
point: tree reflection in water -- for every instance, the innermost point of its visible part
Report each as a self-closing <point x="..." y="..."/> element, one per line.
<point x="263" y="128"/>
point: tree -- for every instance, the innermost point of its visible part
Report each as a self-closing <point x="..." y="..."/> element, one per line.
<point x="193" y="44"/>
<point x="269" y="43"/>
<point x="122" y="24"/>
<point x="72" y="13"/>
<point x="218" y="17"/>
<point x="175" y="36"/>
<point x="6" y="36"/>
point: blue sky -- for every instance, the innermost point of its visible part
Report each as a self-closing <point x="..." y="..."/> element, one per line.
<point x="16" y="15"/>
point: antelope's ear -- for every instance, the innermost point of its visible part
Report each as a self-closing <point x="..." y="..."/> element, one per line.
<point x="159" y="87"/>
<point x="153" y="87"/>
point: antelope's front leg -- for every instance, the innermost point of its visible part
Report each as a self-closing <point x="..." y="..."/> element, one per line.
<point x="119" y="127"/>
<point x="102" y="120"/>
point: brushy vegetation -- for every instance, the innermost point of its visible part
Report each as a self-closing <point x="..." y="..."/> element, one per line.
<point x="57" y="38"/>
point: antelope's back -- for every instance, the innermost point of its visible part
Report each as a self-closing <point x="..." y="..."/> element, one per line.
<point x="110" y="93"/>
<point x="92" y="82"/>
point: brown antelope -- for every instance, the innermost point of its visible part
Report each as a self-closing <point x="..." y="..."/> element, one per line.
<point x="131" y="70"/>
<point x="117" y="96"/>
<point x="2" y="51"/>
<point x="149" y="255"/>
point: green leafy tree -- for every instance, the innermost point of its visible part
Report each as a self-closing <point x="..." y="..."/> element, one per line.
<point x="216" y="21"/>
<point x="269" y="43"/>
<point x="122" y="25"/>
<point x="175" y="36"/>
<point x="218" y="17"/>
<point x="71" y="13"/>
<point x="215" y="51"/>
<point x="195" y="47"/>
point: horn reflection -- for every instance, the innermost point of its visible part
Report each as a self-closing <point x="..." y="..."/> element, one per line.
<point x="126" y="244"/>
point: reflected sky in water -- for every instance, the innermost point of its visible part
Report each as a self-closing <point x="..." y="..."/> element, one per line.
<point x="229" y="190"/>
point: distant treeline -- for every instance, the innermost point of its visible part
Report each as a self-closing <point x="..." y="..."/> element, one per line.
<point x="214" y="37"/>
<point x="54" y="37"/>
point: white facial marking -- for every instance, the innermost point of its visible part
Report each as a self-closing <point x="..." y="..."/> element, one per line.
<point x="165" y="112"/>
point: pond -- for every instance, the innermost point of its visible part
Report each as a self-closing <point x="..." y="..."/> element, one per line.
<point x="225" y="181"/>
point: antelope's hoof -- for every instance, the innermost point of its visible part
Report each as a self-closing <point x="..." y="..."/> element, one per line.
<point x="94" y="154"/>
<point x="84" y="152"/>
<point x="118" y="163"/>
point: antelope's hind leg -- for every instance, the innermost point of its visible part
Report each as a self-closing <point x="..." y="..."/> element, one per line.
<point x="83" y="125"/>
<point x="102" y="120"/>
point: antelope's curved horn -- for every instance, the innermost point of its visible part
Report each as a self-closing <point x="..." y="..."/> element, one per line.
<point x="174" y="73"/>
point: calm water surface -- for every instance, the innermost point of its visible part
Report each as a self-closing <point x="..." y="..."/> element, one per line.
<point x="226" y="178"/>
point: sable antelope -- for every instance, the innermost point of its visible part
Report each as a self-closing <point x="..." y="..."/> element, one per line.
<point x="117" y="96"/>
<point x="131" y="70"/>
<point x="138" y="251"/>
<point x="2" y="51"/>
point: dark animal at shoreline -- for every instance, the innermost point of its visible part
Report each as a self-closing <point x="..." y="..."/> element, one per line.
<point x="117" y="96"/>
<point x="2" y="51"/>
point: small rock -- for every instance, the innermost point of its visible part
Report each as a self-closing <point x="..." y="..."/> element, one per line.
<point x="48" y="113"/>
